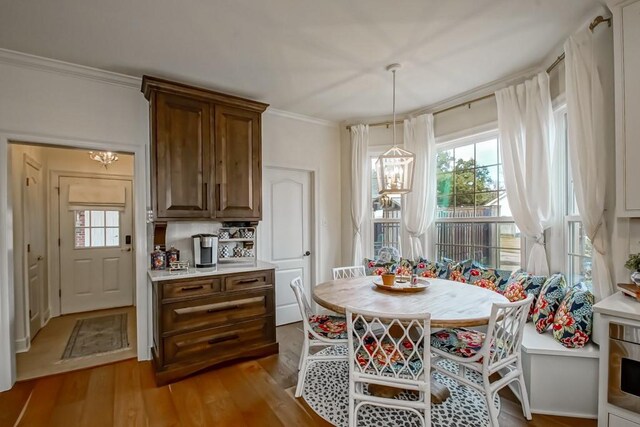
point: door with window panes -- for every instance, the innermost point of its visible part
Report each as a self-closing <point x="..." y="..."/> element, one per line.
<point x="96" y="256"/>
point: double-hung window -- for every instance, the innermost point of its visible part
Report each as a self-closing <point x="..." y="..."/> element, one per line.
<point x="473" y="219"/>
<point x="385" y="216"/>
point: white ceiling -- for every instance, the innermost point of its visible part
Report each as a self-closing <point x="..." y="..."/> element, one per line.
<point x="322" y="58"/>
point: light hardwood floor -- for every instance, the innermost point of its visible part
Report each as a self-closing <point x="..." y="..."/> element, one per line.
<point x="252" y="393"/>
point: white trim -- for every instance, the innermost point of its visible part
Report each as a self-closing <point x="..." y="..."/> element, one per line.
<point x="7" y="313"/>
<point x="301" y="117"/>
<point x="476" y="131"/>
<point x="23" y="344"/>
<point x="40" y="63"/>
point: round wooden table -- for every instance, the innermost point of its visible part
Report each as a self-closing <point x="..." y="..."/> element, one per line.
<point x="451" y="304"/>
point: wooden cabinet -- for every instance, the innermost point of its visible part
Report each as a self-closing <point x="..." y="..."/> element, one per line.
<point x="206" y="153"/>
<point x="626" y="19"/>
<point x="201" y="322"/>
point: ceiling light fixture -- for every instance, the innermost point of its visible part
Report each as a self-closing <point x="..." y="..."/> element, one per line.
<point x="103" y="157"/>
<point x="395" y="167"/>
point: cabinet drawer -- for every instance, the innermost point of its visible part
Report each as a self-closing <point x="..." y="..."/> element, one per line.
<point x="218" y="343"/>
<point x="261" y="279"/>
<point x="190" y="288"/>
<point x="213" y="311"/>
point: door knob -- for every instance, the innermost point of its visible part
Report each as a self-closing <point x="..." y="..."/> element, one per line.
<point x="126" y="250"/>
<point x="40" y="258"/>
<point x="306" y="253"/>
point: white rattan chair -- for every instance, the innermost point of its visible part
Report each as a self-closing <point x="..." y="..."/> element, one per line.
<point x="348" y="272"/>
<point x="389" y="350"/>
<point x="498" y="350"/>
<point x="319" y="331"/>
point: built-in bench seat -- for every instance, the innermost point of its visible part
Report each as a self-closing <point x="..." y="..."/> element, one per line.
<point x="560" y="381"/>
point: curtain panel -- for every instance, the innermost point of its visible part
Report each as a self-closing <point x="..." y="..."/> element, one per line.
<point x="527" y="135"/>
<point x="359" y="195"/>
<point x="587" y="150"/>
<point x="419" y="206"/>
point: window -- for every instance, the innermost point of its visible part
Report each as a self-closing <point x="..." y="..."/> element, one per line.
<point x="386" y="213"/>
<point x="577" y="243"/>
<point x="473" y="219"/>
<point x="97" y="229"/>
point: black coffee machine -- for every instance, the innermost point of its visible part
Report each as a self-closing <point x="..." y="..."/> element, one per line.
<point x="205" y="250"/>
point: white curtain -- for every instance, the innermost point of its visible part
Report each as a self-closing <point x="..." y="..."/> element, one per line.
<point x="586" y="140"/>
<point x="527" y="136"/>
<point x="359" y="144"/>
<point x="419" y="206"/>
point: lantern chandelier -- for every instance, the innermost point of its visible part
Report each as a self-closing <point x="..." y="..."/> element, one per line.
<point x="103" y="157"/>
<point x="395" y="167"/>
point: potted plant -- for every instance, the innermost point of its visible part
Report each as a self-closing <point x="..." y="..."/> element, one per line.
<point x="633" y="264"/>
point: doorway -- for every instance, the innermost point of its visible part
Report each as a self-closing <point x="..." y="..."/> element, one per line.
<point x="288" y="240"/>
<point x="75" y="248"/>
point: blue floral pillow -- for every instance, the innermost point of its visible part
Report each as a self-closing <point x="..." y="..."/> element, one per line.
<point x="573" y="321"/>
<point x="551" y="295"/>
<point x="498" y="277"/>
<point x="459" y="271"/>
<point x="521" y="284"/>
<point x="376" y="268"/>
<point x="431" y="269"/>
<point x="403" y="268"/>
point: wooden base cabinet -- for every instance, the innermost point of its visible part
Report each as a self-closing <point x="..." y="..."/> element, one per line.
<point x="199" y="323"/>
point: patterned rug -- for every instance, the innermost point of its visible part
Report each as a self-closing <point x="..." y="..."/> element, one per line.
<point x="97" y="335"/>
<point x="326" y="390"/>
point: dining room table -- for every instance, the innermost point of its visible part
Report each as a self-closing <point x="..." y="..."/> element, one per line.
<point x="451" y="304"/>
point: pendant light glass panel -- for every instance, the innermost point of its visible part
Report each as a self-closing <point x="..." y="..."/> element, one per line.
<point x="395" y="171"/>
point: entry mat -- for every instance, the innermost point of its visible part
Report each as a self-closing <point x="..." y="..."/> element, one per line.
<point x="97" y="335"/>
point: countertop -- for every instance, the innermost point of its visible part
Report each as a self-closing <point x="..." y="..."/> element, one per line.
<point x="619" y="305"/>
<point x="161" y="275"/>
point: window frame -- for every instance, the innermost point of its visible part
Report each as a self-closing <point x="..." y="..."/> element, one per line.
<point x="448" y="144"/>
<point x="89" y="229"/>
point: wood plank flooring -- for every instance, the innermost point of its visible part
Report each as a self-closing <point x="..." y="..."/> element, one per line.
<point x="252" y="393"/>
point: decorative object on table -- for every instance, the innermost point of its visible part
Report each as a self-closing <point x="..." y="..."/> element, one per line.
<point x="419" y="286"/>
<point x="633" y="264"/>
<point x="158" y="259"/>
<point x="97" y="335"/>
<point x="551" y="295"/>
<point x="573" y="321"/>
<point x="388" y="279"/>
<point x="224" y="251"/>
<point x="395" y="167"/>
<point x="178" y="266"/>
<point x="630" y="289"/>
<point x="173" y="255"/>
<point x="326" y="390"/>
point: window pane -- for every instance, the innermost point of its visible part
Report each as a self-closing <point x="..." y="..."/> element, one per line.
<point x="500" y="178"/>
<point x="445" y="183"/>
<point x="464" y="157"/>
<point x="445" y="206"/>
<point x="484" y="234"/>
<point x="487" y="178"/>
<point x="113" y="237"/>
<point x="82" y="218"/>
<point x="82" y="238"/>
<point x="464" y="206"/>
<point x="487" y="204"/>
<point x="445" y="161"/>
<point x="510" y="245"/>
<point x="97" y="218"/>
<point x="487" y="153"/>
<point x="505" y="209"/>
<point x="385" y="234"/>
<point x="484" y="255"/>
<point x="97" y="237"/>
<point x="464" y="181"/>
<point x="113" y="218"/>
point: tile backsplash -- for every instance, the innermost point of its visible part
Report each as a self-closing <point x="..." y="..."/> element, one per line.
<point x="179" y="235"/>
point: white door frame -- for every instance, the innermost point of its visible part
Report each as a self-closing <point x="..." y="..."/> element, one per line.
<point x="314" y="224"/>
<point x="7" y="312"/>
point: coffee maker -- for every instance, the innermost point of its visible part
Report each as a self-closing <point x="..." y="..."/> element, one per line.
<point x="205" y="250"/>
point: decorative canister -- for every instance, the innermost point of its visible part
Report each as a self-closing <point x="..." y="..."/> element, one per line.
<point x="223" y="235"/>
<point x="248" y="233"/>
<point x="224" y="251"/>
<point x="238" y="251"/>
<point x="173" y="255"/>
<point x="158" y="259"/>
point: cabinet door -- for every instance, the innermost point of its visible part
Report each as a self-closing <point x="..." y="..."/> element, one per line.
<point x="238" y="170"/>
<point x="182" y="157"/>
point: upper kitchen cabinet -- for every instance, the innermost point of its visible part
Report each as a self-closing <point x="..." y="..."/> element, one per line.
<point x="206" y="153"/>
<point x="238" y="169"/>
<point x="626" y="19"/>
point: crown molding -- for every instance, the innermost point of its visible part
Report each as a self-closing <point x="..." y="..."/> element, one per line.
<point x="25" y="60"/>
<point x="301" y="117"/>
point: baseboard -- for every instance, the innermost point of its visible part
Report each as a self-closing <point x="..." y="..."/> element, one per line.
<point x="23" y="345"/>
<point x="46" y="316"/>
<point x="565" y="414"/>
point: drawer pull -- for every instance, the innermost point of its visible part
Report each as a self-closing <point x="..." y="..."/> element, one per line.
<point x="248" y="281"/>
<point x="229" y="307"/>
<point x="222" y="339"/>
<point x="192" y="288"/>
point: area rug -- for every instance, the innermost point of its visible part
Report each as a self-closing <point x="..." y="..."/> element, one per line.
<point x="326" y="390"/>
<point x="97" y="335"/>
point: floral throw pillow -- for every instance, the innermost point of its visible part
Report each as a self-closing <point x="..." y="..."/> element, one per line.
<point x="459" y="271"/>
<point x="551" y="295"/>
<point x="523" y="284"/>
<point x="403" y="268"/>
<point x="574" y="319"/>
<point x="499" y="278"/>
<point x="376" y="268"/>
<point x="431" y="269"/>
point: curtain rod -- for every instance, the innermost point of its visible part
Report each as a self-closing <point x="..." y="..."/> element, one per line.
<point x="596" y="21"/>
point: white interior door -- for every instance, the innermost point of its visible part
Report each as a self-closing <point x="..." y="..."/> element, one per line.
<point x="96" y="257"/>
<point x="285" y="232"/>
<point x="34" y="223"/>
